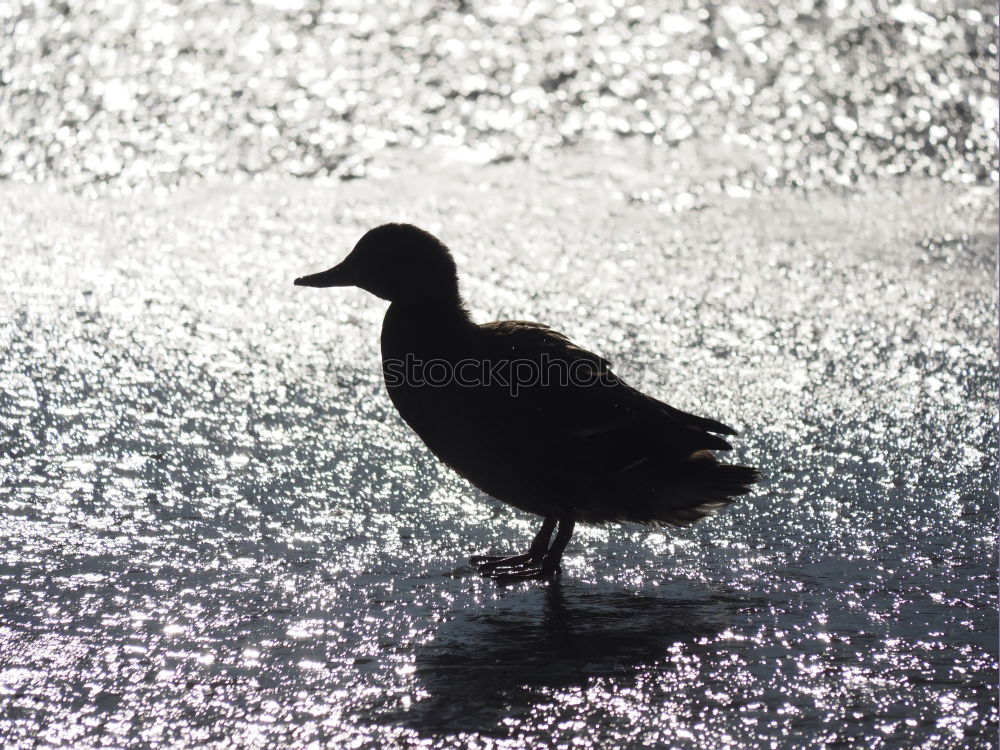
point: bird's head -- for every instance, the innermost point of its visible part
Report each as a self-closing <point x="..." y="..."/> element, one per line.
<point x="397" y="262"/>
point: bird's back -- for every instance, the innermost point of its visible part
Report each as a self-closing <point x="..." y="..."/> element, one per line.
<point x="542" y="424"/>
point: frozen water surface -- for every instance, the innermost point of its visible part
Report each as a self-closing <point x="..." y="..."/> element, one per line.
<point x="216" y="530"/>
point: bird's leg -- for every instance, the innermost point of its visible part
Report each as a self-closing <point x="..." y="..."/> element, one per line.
<point x="550" y="561"/>
<point x="486" y="563"/>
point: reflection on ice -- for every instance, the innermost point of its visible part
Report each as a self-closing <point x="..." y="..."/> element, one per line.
<point x="215" y="531"/>
<point x="510" y="656"/>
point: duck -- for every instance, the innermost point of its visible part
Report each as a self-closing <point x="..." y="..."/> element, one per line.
<point x="527" y="416"/>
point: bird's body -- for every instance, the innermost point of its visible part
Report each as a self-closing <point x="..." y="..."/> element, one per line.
<point x="527" y="416"/>
<point x="456" y="421"/>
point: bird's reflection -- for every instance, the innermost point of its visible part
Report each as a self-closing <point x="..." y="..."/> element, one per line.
<point x="482" y="667"/>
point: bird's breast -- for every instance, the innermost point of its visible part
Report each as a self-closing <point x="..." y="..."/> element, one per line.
<point x="431" y="370"/>
<point x="422" y="354"/>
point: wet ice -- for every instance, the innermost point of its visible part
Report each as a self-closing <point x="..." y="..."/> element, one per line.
<point x="216" y="528"/>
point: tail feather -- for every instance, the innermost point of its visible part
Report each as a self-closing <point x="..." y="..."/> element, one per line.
<point x="700" y="488"/>
<point x="711" y="486"/>
<point x="702" y="423"/>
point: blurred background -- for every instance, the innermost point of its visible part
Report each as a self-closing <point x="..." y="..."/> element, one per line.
<point x="215" y="531"/>
<point x="799" y="94"/>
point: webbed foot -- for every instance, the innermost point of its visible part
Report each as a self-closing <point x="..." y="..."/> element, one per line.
<point x="540" y="562"/>
<point x="531" y="574"/>
<point x="488" y="563"/>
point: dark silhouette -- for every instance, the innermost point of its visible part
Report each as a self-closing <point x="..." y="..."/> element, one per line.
<point x="526" y="415"/>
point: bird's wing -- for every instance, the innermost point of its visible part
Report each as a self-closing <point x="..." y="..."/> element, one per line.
<point x="564" y="404"/>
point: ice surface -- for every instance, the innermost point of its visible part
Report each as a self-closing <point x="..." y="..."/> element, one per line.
<point x="215" y="531"/>
<point x="215" y="528"/>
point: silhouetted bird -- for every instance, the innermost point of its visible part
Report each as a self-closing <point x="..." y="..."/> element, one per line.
<point x="526" y="415"/>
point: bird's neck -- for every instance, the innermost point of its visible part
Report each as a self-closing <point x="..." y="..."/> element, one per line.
<point x="445" y="309"/>
<point x="410" y="324"/>
<point x="424" y="330"/>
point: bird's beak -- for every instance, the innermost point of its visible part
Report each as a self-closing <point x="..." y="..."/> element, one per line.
<point x="339" y="275"/>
